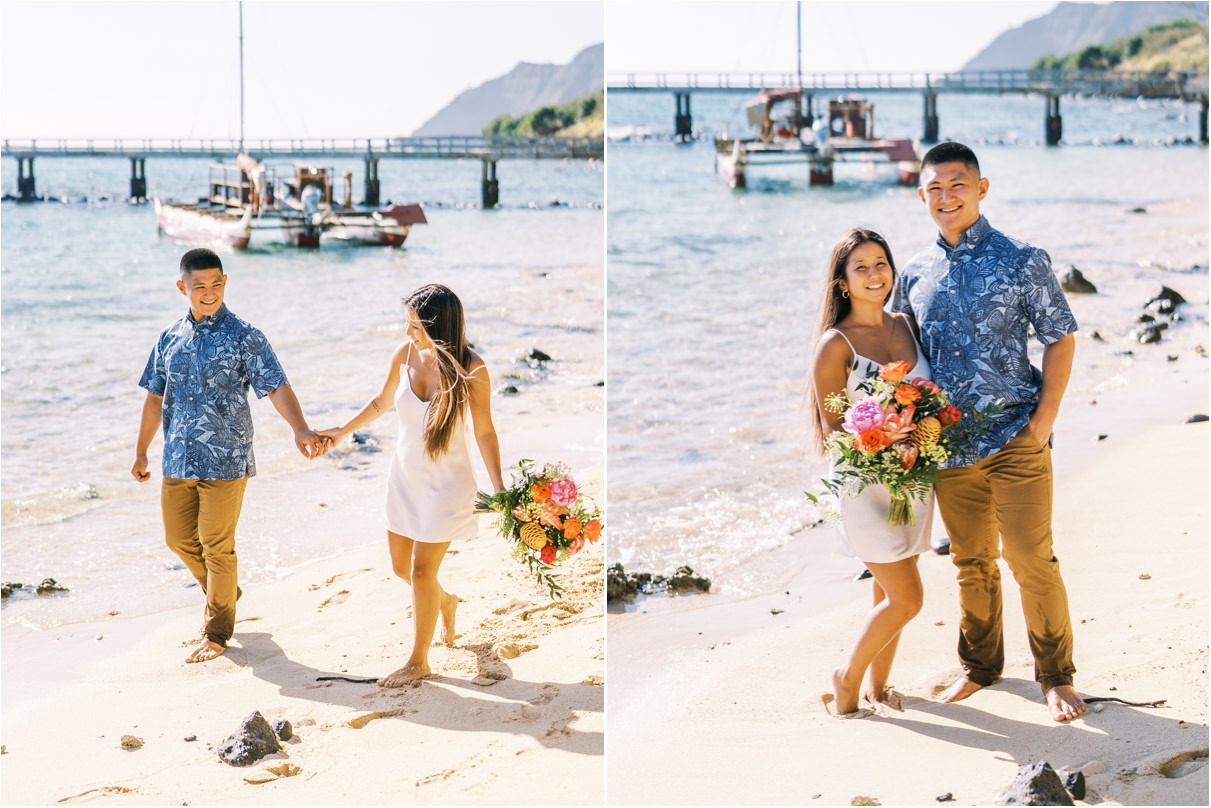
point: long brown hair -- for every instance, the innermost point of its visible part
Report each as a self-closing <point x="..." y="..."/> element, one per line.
<point x="836" y="307"/>
<point x="440" y="313"/>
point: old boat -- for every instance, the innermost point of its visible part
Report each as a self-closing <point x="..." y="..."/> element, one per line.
<point x="784" y="133"/>
<point x="309" y="213"/>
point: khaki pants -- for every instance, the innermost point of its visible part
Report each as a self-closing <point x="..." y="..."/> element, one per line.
<point x="199" y="526"/>
<point x="1002" y="504"/>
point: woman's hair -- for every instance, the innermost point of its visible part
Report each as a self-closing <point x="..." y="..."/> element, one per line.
<point x="836" y="307"/>
<point x="441" y="316"/>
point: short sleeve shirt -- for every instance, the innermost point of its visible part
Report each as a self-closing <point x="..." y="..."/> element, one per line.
<point x="975" y="304"/>
<point x="204" y="370"/>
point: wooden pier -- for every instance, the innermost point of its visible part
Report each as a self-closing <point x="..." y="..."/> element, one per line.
<point x="489" y="150"/>
<point x="1051" y="84"/>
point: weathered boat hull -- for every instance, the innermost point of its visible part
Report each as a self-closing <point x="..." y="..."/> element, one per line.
<point x="385" y="228"/>
<point x="198" y="224"/>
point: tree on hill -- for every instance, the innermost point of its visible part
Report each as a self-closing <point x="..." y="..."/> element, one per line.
<point x="1177" y="45"/>
<point x="579" y="117"/>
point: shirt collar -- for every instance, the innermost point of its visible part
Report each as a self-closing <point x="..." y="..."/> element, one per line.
<point x="213" y="319"/>
<point x="971" y="237"/>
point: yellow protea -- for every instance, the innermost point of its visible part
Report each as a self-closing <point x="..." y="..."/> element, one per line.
<point x="927" y="432"/>
<point x="533" y="535"/>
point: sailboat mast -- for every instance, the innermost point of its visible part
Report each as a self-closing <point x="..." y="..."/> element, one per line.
<point x="241" y="7"/>
<point x="799" y="41"/>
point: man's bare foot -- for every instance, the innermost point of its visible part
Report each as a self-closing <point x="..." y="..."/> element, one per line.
<point x="846" y="697"/>
<point x="405" y="675"/>
<point x="961" y="689"/>
<point x="208" y="650"/>
<point x="1064" y="703"/>
<point x="448" y="608"/>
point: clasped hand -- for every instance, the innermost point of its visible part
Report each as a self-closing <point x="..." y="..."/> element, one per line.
<point x="312" y="444"/>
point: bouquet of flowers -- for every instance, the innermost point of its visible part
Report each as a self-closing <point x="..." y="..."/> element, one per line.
<point x="546" y="516"/>
<point x="897" y="435"/>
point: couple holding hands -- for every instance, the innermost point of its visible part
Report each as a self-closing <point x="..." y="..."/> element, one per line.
<point x="197" y="380"/>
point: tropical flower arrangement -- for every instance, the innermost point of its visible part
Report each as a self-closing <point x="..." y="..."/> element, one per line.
<point x="547" y="517"/>
<point x="897" y="435"/>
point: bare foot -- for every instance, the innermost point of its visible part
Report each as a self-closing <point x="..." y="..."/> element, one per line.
<point x="210" y="650"/>
<point x="405" y="675"/>
<point x="846" y="697"/>
<point x="1064" y="703"/>
<point x="961" y="689"/>
<point x="448" y="608"/>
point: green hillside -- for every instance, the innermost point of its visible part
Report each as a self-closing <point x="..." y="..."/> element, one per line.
<point x="1178" y="45"/>
<point x="581" y="117"/>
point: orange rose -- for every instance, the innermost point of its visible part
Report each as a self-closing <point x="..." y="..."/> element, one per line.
<point x="541" y="491"/>
<point x="871" y="441"/>
<point x="907" y="394"/>
<point x="592" y="530"/>
<point x="894" y="372"/>
<point x="571" y="527"/>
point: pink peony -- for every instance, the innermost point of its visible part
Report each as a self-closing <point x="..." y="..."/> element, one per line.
<point x="864" y="416"/>
<point x="563" y="492"/>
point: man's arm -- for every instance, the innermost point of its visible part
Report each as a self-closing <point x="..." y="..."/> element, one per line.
<point x="148" y="424"/>
<point x="1057" y="368"/>
<point x="287" y="405"/>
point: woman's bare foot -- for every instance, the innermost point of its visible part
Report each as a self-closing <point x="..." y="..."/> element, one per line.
<point x="448" y="608"/>
<point x="1064" y="703"/>
<point x="208" y="650"/>
<point x="846" y="697"/>
<point x="405" y="675"/>
<point x="961" y="689"/>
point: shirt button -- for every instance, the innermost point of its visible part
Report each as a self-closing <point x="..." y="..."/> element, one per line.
<point x="954" y="322"/>
<point x="957" y="353"/>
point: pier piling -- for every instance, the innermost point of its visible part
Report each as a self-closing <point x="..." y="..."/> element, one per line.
<point x="1054" y="123"/>
<point x="371" y="187"/>
<point x="1202" y="121"/>
<point x="931" y="118"/>
<point x="26" y="192"/>
<point x="138" y="179"/>
<point x="491" y="188"/>
<point x="683" y="123"/>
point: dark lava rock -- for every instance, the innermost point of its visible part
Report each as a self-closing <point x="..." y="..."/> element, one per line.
<point x="50" y="586"/>
<point x="863" y="575"/>
<point x="539" y="356"/>
<point x="1076" y="283"/>
<point x="508" y="390"/>
<point x="8" y="588"/>
<point x="1149" y="332"/>
<point x="1096" y="336"/>
<point x="1036" y="784"/>
<point x="190" y="738"/>
<point x="1074" y="781"/>
<point x="282" y="728"/>
<point x="251" y="742"/>
<point x="1196" y="419"/>
<point x="947" y="797"/>
<point x="943" y="546"/>
<point x="684" y="580"/>
<point x="1138" y="210"/>
<point x="618" y="586"/>
<point x="1145" y="318"/>
<point x="1165" y="301"/>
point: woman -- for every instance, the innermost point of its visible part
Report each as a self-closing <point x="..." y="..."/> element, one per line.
<point x="856" y="335"/>
<point x="434" y="380"/>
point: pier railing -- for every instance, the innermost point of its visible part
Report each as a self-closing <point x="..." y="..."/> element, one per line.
<point x="1187" y="85"/>
<point x="446" y="147"/>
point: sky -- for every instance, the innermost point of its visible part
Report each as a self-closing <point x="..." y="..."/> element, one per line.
<point x="849" y="36"/>
<point x="381" y="68"/>
<point x="372" y="68"/>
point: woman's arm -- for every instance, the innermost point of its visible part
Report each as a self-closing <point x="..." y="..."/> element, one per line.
<point x="830" y="373"/>
<point x="480" y="389"/>
<point x="377" y="405"/>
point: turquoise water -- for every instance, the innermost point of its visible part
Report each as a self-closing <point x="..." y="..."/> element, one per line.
<point x="88" y="285"/>
<point x="713" y="297"/>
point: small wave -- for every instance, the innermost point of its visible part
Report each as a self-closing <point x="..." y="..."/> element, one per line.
<point x="51" y="507"/>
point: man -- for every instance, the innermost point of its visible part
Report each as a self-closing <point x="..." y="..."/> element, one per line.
<point x="197" y="381"/>
<point x="975" y="294"/>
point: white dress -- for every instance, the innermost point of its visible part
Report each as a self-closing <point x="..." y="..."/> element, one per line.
<point x="428" y="501"/>
<point x="863" y="531"/>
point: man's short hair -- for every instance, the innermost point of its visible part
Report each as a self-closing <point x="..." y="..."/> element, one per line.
<point x="200" y="258"/>
<point x="951" y="152"/>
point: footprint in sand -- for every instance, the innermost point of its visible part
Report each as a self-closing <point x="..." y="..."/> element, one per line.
<point x="511" y="650"/>
<point x="339" y="597"/>
<point x="1180" y="765"/>
<point x="343" y="575"/>
<point x="362" y="720"/>
<point x="829" y="698"/>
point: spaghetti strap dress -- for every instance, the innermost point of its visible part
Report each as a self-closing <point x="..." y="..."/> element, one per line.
<point x="430" y="501"/>
<point x="862" y="531"/>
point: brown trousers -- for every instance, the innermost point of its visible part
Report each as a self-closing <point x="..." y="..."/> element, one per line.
<point x="1002" y="504"/>
<point x="199" y="526"/>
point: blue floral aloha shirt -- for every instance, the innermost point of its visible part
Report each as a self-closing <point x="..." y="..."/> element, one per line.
<point x="975" y="303"/>
<point x="203" y="371"/>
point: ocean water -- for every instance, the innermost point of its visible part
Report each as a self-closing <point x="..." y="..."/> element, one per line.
<point x="713" y="296"/>
<point x="88" y="284"/>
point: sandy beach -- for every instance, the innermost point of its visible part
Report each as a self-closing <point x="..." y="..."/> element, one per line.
<point x="741" y="677"/>
<point x="513" y="715"/>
